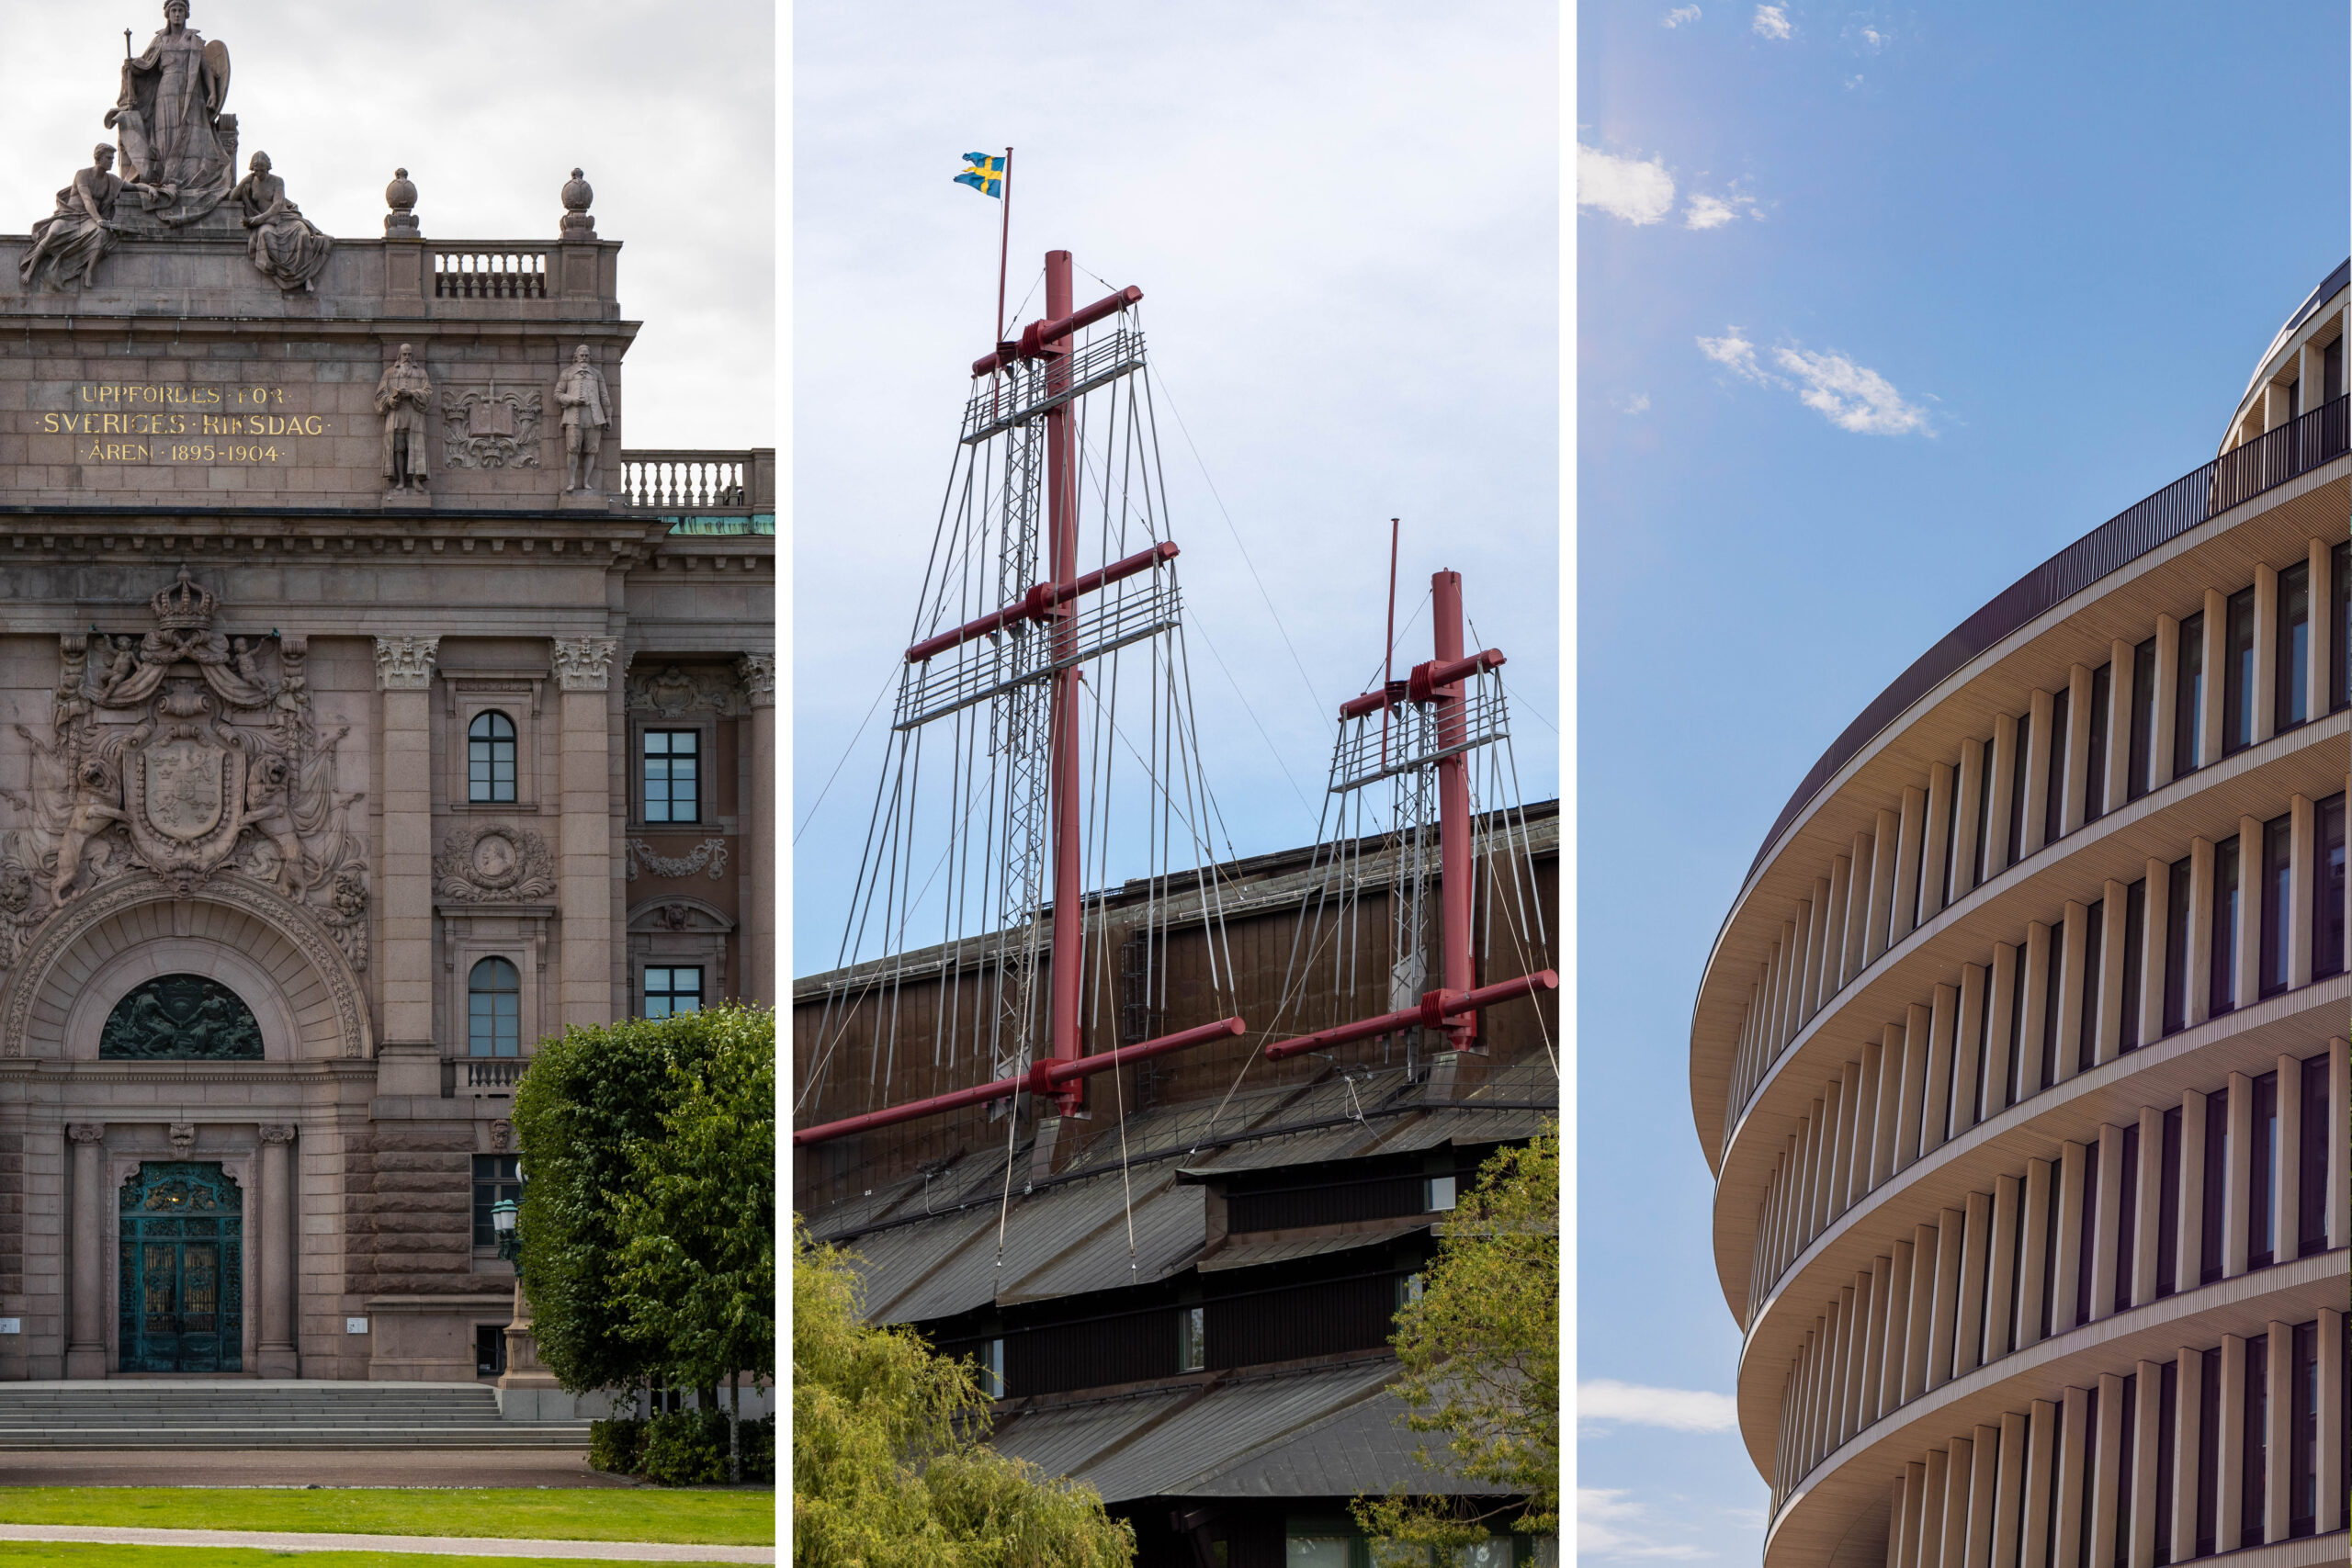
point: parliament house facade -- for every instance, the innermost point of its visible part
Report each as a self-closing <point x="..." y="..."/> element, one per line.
<point x="2019" y="1061"/>
<point x="368" y="712"/>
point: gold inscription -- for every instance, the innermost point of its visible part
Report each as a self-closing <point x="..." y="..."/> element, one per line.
<point x="153" y="410"/>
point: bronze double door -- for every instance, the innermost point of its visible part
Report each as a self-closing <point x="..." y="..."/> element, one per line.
<point x="182" y="1261"/>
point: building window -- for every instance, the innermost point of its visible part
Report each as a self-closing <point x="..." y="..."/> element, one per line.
<point x="672" y="775"/>
<point x="2189" y="698"/>
<point x="2176" y="976"/>
<point x="1192" y="1340"/>
<point x="2253" y="1470"/>
<point x="2135" y="941"/>
<point x="2311" y="1184"/>
<point x="2339" y="590"/>
<point x="2054" y="790"/>
<point x="2140" y="766"/>
<point x="493" y="1009"/>
<point x="490" y="1349"/>
<point x="672" y="990"/>
<point x="2237" y="673"/>
<point x="2292" y="704"/>
<point x="2327" y="891"/>
<point x="1437" y="1196"/>
<point x="991" y="1359"/>
<point x="2278" y="903"/>
<point x="2223" y="994"/>
<point x="490" y="757"/>
<point x="495" y="1176"/>
<point x="2095" y="764"/>
<point x="2262" y="1164"/>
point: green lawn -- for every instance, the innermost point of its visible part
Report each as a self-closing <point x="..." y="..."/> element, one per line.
<point x="688" y="1517"/>
<point x="40" y="1554"/>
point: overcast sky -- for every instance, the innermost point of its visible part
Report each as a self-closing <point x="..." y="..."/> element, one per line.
<point x="1880" y="305"/>
<point x="671" y="109"/>
<point x="1344" y="219"/>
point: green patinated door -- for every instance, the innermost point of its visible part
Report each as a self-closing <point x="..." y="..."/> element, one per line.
<point x="182" y="1275"/>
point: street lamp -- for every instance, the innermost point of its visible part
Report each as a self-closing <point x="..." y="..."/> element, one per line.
<point x="504" y="1220"/>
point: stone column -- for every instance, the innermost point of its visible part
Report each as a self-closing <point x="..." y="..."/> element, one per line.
<point x="85" y="1352"/>
<point x="759" y="830"/>
<point x="409" y="1060"/>
<point x="276" y="1357"/>
<point x="584" y="865"/>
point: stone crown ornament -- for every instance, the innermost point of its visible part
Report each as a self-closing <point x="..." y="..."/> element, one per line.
<point x="186" y="605"/>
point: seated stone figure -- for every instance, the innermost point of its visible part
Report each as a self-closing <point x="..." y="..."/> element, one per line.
<point x="285" y="245"/>
<point x="81" y="231"/>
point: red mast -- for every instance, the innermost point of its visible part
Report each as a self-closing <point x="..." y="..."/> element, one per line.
<point x="1068" y="848"/>
<point x="1452" y="808"/>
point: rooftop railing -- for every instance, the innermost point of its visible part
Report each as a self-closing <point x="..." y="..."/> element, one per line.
<point x="2234" y="478"/>
<point x="703" y="493"/>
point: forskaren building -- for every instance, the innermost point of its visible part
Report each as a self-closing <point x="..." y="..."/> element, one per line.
<point x="367" y="712"/>
<point x="2019" y="1060"/>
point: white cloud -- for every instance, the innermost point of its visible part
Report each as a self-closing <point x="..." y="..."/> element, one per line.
<point x="1681" y="15"/>
<point x="1873" y="37"/>
<point x="1849" y="396"/>
<point x="1854" y="81"/>
<point x="1629" y="189"/>
<point x="1632" y="402"/>
<point x="1772" y="21"/>
<point x="1676" y="1409"/>
<point x="1609" y="1524"/>
<point x="1715" y="211"/>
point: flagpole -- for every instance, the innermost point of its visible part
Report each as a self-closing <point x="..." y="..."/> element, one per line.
<point x="1004" y="245"/>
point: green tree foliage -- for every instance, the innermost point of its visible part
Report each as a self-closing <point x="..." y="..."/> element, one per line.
<point x="648" y="1215"/>
<point x="889" y="1468"/>
<point x="1481" y="1356"/>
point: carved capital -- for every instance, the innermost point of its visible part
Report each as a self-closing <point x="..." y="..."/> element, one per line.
<point x="758" y="673"/>
<point x="183" y="1136"/>
<point x="405" y="664"/>
<point x="276" y="1133"/>
<point x="584" y="663"/>
<point x="85" y="1131"/>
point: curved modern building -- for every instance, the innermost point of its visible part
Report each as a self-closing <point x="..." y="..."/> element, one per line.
<point x="2019" y="1060"/>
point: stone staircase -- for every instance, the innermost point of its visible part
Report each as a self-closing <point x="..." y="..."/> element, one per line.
<point x="254" y="1412"/>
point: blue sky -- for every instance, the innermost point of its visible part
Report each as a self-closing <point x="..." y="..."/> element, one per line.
<point x="1934" y="291"/>
<point x="1345" y="221"/>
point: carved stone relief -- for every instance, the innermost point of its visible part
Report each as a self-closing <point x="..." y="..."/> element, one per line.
<point x="709" y="856"/>
<point x="181" y="1017"/>
<point x="183" y="753"/>
<point x="489" y="427"/>
<point x="758" y="673"/>
<point x="488" y="862"/>
<point x="675" y="691"/>
<point x="584" y="663"/>
<point x="405" y="664"/>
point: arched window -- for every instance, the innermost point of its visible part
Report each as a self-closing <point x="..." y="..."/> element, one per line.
<point x="493" y="1009"/>
<point x="490" y="757"/>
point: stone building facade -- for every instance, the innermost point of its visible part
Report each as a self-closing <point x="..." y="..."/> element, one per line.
<point x="366" y="714"/>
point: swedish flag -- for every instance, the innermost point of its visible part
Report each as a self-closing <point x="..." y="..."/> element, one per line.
<point x="985" y="176"/>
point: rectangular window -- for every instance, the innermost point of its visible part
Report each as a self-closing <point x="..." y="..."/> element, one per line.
<point x="2209" y="1452"/>
<point x="2135" y="937"/>
<point x="2189" y="698"/>
<point x="2302" y="1434"/>
<point x="991" y="1359"/>
<point x="2053" y="797"/>
<point x="2125" y="1463"/>
<point x="1192" y="1340"/>
<point x="2331" y="367"/>
<point x="2138" y="778"/>
<point x="2127" y="1200"/>
<point x="2237" y="673"/>
<point x="1984" y="810"/>
<point x="2217" y="1177"/>
<point x="672" y="775"/>
<point x="2176" y="976"/>
<point x="2095" y="765"/>
<point x="2048" y="1065"/>
<point x="1437" y="1194"/>
<point x="2327" y="890"/>
<point x="2262" y="1166"/>
<point x="2254" y="1477"/>
<point x="2167" y="1457"/>
<point x="2168" y="1210"/>
<point x="2019" y="1084"/>
<point x="2019" y="805"/>
<point x="2292" y="703"/>
<point x="672" y="990"/>
<point x="2311" y="1184"/>
<point x="2339" y="590"/>
<point x="2277" y="902"/>
<point x="495" y="1176"/>
<point x="2086" y="1247"/>
<point x="2094" y="937"/>
<point x="2222" y="994"/>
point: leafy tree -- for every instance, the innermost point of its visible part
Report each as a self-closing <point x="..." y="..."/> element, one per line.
<point x="696" y="1284"/>
<point x="1481" y="1354"/>
<point x="648" y="1218"/>
<point x="889" y="1466"/>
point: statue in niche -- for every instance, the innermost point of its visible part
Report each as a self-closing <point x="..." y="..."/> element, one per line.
<point x="581" y="394"/>
<point x="175" y="141"/>
<point x="400" y="397"/>
<point x="81" y="230"/>
<point x="181" y="1017"/>
<point x="286" y="246"/>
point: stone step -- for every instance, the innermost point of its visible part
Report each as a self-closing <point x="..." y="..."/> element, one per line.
<point x="253" y="1414"/>
<point x="501" y="1435"/>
